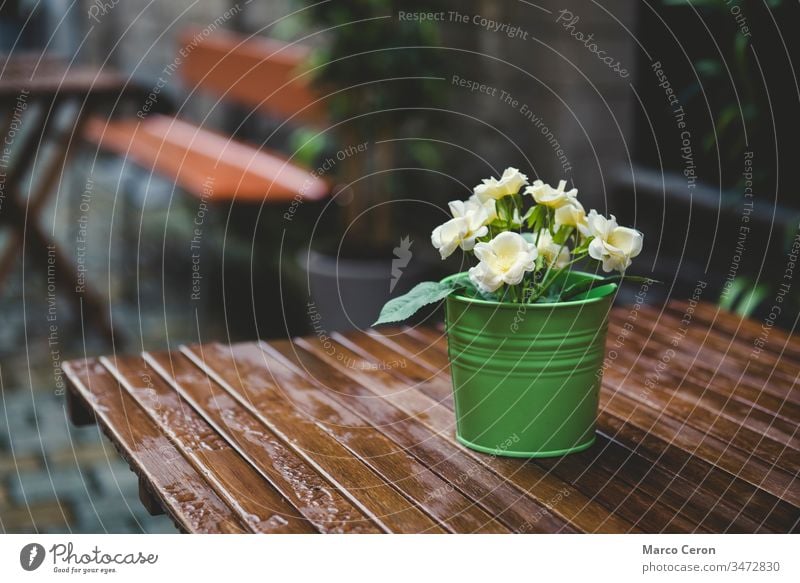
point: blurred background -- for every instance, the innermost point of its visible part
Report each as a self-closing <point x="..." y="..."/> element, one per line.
<point x="190" y="171"/>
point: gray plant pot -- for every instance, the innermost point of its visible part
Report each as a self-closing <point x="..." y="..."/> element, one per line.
<point x="346" y="294"/>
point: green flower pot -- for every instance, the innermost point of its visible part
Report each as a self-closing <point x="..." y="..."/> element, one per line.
<point x="526" y="377"/>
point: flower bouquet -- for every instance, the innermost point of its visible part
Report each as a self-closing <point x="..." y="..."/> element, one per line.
<point x="526" y="330"/>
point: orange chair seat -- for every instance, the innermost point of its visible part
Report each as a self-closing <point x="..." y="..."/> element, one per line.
<point x="204" y="163"/>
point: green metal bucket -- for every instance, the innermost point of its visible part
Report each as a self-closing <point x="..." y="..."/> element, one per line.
<point x="526" y="377"/>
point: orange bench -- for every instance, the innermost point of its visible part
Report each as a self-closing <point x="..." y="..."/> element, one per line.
<point x="257" y="73"/>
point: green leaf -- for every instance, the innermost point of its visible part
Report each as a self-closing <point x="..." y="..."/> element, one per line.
<point x="488" y="296"/>
<point x="578" y="288"/>
<point x="727" y="116"/>
<point x="583" y="247"/>
<point x="581" y="289"/>
<point x="462" y="281"/>
<point x="307" y="145"/>
<point x="425" y="154"/>
<point x="405" y="306"/>
<point x="740" y="50"/>
<point x="561" y="235"/>
<point x="708" y="67"/>
<point x="528" y="214"/>
<point x="752" y="299"/>
<point x="734" y="290"/>
<point x="536" y="217"/>
<point x="596" y="292"/>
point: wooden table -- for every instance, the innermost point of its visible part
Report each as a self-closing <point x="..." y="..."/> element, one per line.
<point x="55" y="100"/>
<point x="355" y="434"/>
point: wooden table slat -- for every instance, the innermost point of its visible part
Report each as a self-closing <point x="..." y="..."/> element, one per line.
<point x="723" y="487"/>
<point x="732" y="324"/>
<point x="704" y="446"/>
<point x="734" y="358"/>
<point x="722" y="355"/>
<point x="743" y="403"/>
<point x="769" y="437"/>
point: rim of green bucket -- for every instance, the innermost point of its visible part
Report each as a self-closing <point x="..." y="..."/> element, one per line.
<point x="543" y="306"/>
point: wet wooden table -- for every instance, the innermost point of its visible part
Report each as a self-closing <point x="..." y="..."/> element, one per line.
<point x="697" y="433"/>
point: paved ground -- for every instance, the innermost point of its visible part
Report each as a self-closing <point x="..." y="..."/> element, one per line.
<point x="55" y="478"/>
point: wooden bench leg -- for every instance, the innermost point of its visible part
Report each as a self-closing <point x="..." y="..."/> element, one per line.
<point x="79" y="413"/>
<point x="150" y="502"/>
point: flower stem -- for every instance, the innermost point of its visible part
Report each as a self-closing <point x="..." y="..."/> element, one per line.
<point x="550" y="265"/>
<point x="546" y="283"/>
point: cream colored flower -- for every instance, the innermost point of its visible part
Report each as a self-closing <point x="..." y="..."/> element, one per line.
<point x="461" y="231"/>
<point x="461" y="208"/>
<point x="510" y="183"/>
<point x="615" y="246"/>
<point x="552" y="197"/>
<point x="553" y="253"/>
<point x="572" y="214"/>
<point x="503" y="260"/>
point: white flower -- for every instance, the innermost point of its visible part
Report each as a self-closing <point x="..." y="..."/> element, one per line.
<point x="461" y="208"/>
<point x="552" y="197"/>
<point x="510" y="183"/>
<point x="503" y="260"/>
<point x="572" y="214"/>
<point x="615" y="246"/>
<point x="461" y="231"/>
<point x="553" y="253"/>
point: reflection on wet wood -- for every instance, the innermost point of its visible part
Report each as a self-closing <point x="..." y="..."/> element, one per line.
<point x="181" y="489"/>
<point x="695" y="434"/>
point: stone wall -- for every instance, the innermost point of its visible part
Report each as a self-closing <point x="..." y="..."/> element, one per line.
<point x="567" y="97"/>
